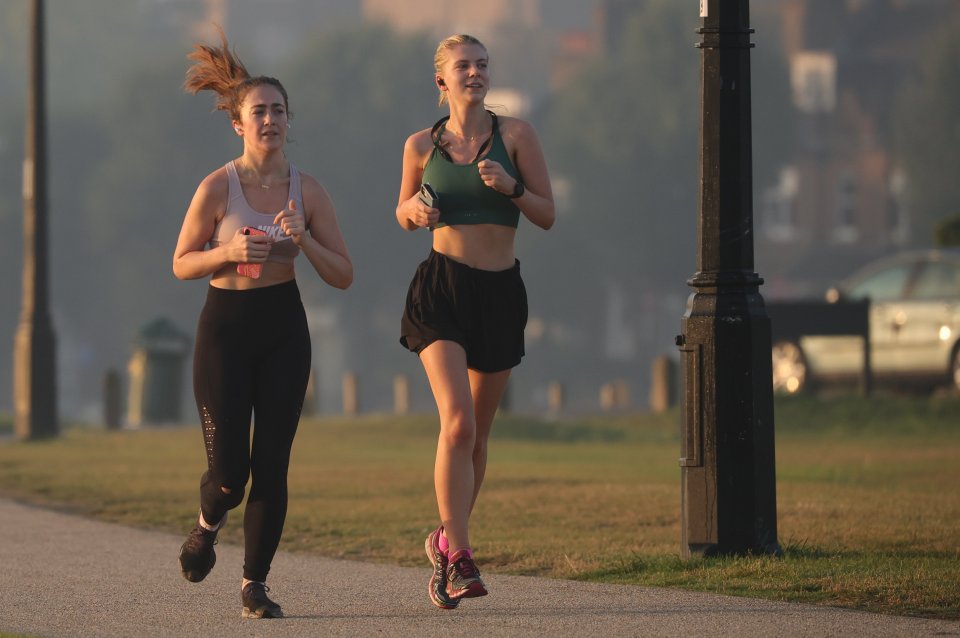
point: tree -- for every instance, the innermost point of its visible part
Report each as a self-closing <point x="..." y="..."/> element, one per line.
<point x="927" y="133"/>
<point x="356" y="94"/>
<point x="625" y="132"/>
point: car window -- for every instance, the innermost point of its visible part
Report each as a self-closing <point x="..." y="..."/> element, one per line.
<point x="937" y="280"/>
<point x="886" y="284"/>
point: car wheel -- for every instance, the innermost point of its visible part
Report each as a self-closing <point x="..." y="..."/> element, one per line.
<point x="789" y="368"/>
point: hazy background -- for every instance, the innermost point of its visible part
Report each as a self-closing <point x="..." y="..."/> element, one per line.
<point x="856" y="130"/>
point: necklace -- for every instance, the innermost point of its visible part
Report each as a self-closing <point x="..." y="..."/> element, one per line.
<point x="436" y="134"/>
<point x="469" y="138"/>
<point x="254" y="176"/>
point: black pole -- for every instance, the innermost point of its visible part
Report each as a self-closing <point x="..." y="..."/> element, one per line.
<point x="727" y="448"/>
<point x="35" y="388"/>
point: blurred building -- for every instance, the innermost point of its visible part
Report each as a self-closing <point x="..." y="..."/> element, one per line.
<point x="839" y="202"/>
<point x="262" y="32"/>
<point x="456" y="16"/>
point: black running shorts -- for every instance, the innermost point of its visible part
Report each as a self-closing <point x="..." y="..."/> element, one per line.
<point x="484" y="311"/>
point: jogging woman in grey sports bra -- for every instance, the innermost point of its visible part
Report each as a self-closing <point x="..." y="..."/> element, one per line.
<point x="467" y="306"/>
<point x="246" y="225"/>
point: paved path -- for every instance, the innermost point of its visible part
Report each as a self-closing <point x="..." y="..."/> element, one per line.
<point x="62" y="575"/>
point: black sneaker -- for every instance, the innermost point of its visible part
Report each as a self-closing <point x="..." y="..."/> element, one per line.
<point x="463" y="577"/>
<point x="437" y="587"/>
<point x="256" y="604"/>
<point x="197" y="557"/>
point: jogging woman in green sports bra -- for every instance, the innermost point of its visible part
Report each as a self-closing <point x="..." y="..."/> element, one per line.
<point x="467" y="307"/>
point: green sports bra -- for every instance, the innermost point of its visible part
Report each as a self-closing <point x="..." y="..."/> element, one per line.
<point x="462" y="195"/>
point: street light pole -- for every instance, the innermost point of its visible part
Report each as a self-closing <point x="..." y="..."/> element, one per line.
<point x="35" y="388"/>
<point x="727" y="448"/>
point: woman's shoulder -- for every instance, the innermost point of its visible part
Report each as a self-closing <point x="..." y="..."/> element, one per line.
<point x="514" y="127"/>
<point x="215" y="184"/>
<point x="420" y="142"/>
<point x="312" y="190"/>
<point x="518" y="135"/>
<point x="309" y="182"/>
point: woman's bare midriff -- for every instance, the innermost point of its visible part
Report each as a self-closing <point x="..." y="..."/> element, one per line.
<point x="482" y="246"/>
<point x="271" y="274"/>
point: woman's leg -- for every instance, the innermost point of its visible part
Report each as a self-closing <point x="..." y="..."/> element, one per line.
<point x="487" y="389"/>
<point x="281" y="383"/>
<point x="223" y="384"/>
<point x="445" y="363"/>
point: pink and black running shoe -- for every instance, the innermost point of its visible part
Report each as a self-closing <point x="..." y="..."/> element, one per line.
<point x="463" y="577"/>
<point x="437" y="588"/>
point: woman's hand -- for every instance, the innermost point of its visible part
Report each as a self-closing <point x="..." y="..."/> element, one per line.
<point x="291" y="222"/>
<point x="494" y="176"/>
<point x="420" y="214"/>
<point x="248" y="249"/>
<point x="411" y="212"/>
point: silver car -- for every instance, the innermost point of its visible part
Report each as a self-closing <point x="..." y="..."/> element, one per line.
<point x="914" y="327"/>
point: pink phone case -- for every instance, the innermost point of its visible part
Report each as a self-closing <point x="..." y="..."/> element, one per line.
<point x="250" y="270"/>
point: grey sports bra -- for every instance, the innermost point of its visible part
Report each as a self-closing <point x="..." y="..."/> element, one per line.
<point x="240" y="214"/>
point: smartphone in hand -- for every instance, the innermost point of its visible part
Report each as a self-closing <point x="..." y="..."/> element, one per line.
<point x="429" y="196"/>
<point x="250" y="270"/>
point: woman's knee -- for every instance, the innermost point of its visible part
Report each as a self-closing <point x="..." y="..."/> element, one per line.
<point x="232" y="496"/>
<point x="269" y="479"/>
<point x="459" y="430"/>
<point x="225" y="491"/>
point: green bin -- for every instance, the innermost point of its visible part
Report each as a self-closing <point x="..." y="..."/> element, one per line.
<point x="156" y="374"/>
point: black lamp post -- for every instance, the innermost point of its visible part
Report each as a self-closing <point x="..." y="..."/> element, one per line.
<point x="727" y="448"/>
<point x="34" y="383"/>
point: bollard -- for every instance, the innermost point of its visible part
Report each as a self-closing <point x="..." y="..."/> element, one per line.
<point x="112" y="400"/>
<point x="615" y="395"/>
<point x="663" y="384"/>
<point x="555" y="397"/>
<point x="401" y="394"/>
<point x="351" y="392"/>
<point x="607" y="397"/>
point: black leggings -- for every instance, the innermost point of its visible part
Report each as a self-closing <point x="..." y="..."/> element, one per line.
<point x="252" y="355"/>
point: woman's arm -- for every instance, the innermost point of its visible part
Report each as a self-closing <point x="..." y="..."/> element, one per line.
<point x="190" y="260"/>
<point x="324" y="246"/>
<point x="411" y="212"/>
<point x="536" y="203"/>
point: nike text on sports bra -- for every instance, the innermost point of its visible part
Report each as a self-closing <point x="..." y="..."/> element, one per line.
<point x="463" y="197"/>
<point x="240" y="214"/>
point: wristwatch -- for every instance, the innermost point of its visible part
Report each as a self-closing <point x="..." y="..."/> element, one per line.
<point x="518" y="190"/>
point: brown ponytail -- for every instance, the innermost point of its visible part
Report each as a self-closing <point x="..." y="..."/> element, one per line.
<point x="218" y="69"/>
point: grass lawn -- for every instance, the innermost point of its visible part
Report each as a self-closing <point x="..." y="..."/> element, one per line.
<point x="868" y="505"/>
